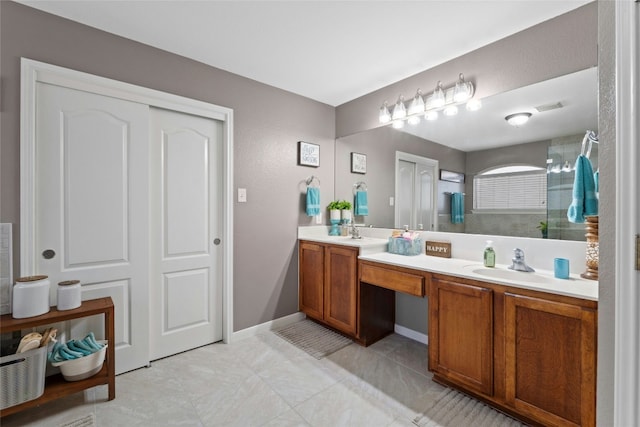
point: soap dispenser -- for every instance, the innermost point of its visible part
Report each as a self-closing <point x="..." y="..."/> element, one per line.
<point x="489" y="255"/>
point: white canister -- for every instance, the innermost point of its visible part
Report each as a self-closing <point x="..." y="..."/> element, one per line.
<point x="69" y="295"/>
<point x="30" y="297"/>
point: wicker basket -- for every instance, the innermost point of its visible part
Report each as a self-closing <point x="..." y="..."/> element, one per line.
<point x="22" y="376"/>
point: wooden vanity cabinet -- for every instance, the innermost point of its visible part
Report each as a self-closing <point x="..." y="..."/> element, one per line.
<point x="550" y="360"/>
<point x="531" y="354"/>
<point x="328" y="289"/>
<point x="461" y="333"/>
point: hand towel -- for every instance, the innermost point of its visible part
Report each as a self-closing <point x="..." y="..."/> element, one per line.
<point x="584" y="200"/>
<point x="457" y="208"/>
<point x="361" y="206"/>
<point x="313" y="201"/>
<point x="596" y="180"/>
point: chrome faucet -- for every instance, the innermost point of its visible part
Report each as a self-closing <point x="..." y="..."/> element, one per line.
<point x="518" y="262"/>
<point x="355" y="232"/>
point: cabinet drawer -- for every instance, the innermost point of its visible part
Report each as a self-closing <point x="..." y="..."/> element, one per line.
<point x="411" y="284"/>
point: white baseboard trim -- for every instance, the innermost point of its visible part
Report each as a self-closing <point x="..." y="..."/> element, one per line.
<point x="410" y="333"/>
<point x="267" y="326"/>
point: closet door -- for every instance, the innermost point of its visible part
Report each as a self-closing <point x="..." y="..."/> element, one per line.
<point x="91" y="208"/>
<point x="186" y="220"/>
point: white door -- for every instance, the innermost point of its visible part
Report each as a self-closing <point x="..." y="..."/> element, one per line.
<point x="91" y="208"/>
<point x="186" y="273"/>
<point x="416" y="187"/>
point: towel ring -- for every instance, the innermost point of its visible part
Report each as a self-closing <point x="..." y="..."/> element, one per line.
<point x="359" y="186"/>
<point x="311" y="178"/>
<point x="590" y="137"/>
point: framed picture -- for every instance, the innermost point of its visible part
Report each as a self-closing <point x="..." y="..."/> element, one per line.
<point x="358" y="163"/>
<point x="451" y="176"/>
<point x="308" y="154"/>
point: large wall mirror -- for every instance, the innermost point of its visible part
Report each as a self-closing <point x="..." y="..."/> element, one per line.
<point x="473" y="143"/>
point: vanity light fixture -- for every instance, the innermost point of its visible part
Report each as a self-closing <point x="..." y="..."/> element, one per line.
<point x="441" y="99"/>
<point x="518" y="119"/>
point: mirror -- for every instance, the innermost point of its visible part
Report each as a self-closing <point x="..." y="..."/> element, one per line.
<point x="473" y="142"/>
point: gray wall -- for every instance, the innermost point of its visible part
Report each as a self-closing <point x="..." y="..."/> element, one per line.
<point x="268" y="122"/>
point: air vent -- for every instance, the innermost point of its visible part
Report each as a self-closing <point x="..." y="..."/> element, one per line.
<point x="548" y="107"/>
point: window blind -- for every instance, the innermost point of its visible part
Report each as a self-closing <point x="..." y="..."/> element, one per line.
<point x="526" y="190"/>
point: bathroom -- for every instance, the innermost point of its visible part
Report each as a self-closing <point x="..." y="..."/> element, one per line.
<point x="26" y="33"/>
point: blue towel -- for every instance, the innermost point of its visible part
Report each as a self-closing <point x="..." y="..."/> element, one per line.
<point x="361" y="206"/>
<point x="313" y="201"/>
<point x="584" y="200"/>
<point x="596" y="180"/>
<point x="457" y="208"/>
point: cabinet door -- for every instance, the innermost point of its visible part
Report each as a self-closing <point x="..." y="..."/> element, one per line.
<point x="461" y="334"/>
<point x="311" y="276"/>
<point x="341" y="290"/>
<point x="550" y="353"/>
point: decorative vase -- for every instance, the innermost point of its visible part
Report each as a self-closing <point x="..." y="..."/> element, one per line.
<point x="592" y="255"/>
<point x="346" y="216"/>
<point x="334" y="217"/>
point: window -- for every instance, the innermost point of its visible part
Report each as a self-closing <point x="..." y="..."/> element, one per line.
<point x="511" y="188"/>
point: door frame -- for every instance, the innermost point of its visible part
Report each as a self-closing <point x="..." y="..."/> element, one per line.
<point x="33" y="72"/>
<point x="627" y="293"/>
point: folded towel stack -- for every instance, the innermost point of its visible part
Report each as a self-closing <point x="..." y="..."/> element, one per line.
<point x="585" y="201"/>
<point x="361" y="206"/>
<point x="75" y="349"/>
<point x="313" y="201"/>
<point x="457" y="208"/>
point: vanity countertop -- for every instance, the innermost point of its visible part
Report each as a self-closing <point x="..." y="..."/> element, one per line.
<point x="367" y="245"/>
<point x="541" y="280"/>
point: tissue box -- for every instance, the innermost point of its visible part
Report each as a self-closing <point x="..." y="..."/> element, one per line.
<point x="401" y="246"/>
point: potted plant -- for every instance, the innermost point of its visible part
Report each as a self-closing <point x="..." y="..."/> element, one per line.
<point x="345" y="209"/>
<point x="543" y="229"/>
<point x="334" y="210"/>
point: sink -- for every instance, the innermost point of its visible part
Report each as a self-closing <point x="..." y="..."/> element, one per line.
<point x="510" y="275"/>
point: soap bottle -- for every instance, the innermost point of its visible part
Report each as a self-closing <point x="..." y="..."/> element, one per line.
<point x="489" y="255"/>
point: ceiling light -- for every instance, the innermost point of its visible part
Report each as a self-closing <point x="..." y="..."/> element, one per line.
<point x="518" y="119"/>
<point x="385" y="115"/>
<point x="413" y="120"/>
<point x="399" y="110"/>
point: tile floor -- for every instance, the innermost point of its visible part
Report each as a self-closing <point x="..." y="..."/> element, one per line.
<point x="259" y="381"/>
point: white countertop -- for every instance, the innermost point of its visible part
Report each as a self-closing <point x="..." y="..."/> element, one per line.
<point x="541" y="280"/>
<point x="367" y="245"/>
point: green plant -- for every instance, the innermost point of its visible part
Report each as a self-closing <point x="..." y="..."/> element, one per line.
<point x="542" y="226"/>
<point x="344" y="205"/>
<point x="335" y="205"/>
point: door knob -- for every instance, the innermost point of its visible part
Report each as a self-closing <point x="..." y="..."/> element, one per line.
<point x="48" y="254"/>
<point x="216" y="241"/>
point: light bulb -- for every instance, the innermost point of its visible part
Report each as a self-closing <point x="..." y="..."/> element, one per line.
<point x="399" y="110"/>
<point x="385" y="116"/>
<point x="461" y="92"/>
<point x="437" y="99"/>
<point x="413" y="120"/>
<point x="417" y="104"/>
<point x="474" y="105"/>
<point x="431" y="115"/>
<point x="451" y="110"/>
<point x="398" y="124"/>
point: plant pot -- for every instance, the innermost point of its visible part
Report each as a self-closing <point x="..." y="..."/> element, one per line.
<point x="334" y="215"/>
<point x="346" y="216"/>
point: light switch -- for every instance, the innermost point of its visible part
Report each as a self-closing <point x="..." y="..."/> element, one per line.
<point x="242" y="195"/>
<point x="391" y="201"/>
<point x="319" y="218"/>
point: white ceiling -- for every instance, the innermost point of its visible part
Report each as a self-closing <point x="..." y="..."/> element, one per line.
<point x="329" y="51"/>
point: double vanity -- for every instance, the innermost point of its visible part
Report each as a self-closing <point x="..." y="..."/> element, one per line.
<point x="523" y="342"/>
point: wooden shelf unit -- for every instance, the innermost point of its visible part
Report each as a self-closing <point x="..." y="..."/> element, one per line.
<point x="55" y="386"/>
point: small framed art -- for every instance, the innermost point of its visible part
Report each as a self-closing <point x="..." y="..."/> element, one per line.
<point x="308" y="154"/>
<point x="451" y="176"/>
<point x="358" y="163"/>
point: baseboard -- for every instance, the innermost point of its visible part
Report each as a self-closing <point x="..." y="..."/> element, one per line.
<point x="410" y="333"/>
<point x="267" y="326"/>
